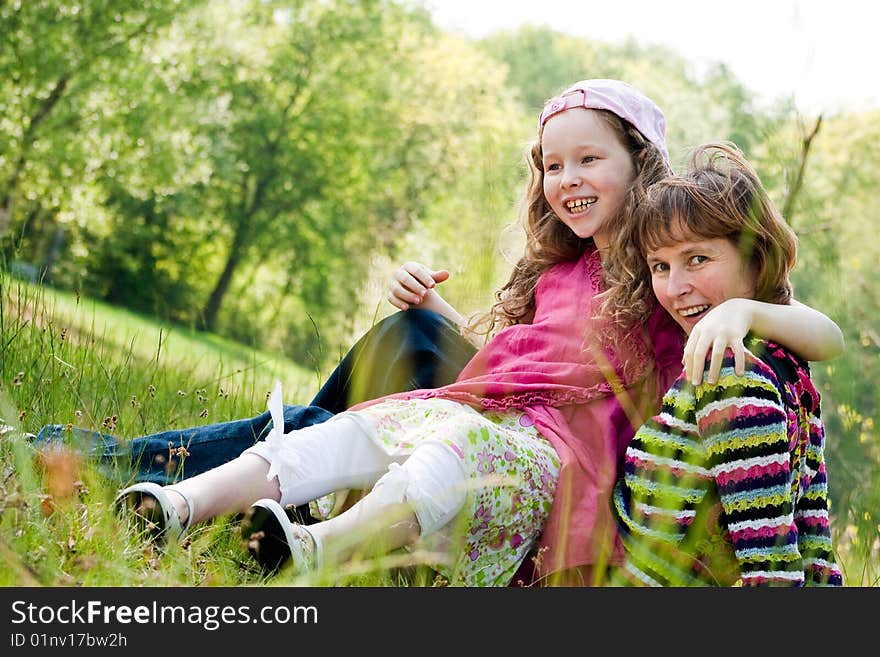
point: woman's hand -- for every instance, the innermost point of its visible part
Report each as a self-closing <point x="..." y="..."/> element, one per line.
<point x="723" y="327"/>
<point x="412" y="284"/>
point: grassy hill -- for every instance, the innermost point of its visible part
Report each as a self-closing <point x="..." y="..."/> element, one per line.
<point x="73" y="361"/>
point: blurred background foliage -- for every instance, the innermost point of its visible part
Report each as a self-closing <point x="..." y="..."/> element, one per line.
<point x="256" y="169"/>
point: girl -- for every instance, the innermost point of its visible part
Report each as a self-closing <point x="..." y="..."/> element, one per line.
<point x="524" y="444"/>
<point x="728" y="482"/>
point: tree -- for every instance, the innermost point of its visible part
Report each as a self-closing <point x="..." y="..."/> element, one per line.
<point x="305" y="117"/>
<point x="52" y="54"/>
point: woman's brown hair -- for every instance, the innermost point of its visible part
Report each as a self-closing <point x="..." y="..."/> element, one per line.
<point x="721" y="196"/>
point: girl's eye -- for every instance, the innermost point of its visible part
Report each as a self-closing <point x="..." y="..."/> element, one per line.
<point x="659" y="267"/>
<point x="552" y="167"/>
<point x="698" y="259"/>
<point x="587" y="159"/>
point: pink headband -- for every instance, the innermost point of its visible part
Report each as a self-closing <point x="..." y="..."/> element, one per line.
<point x="618" y="97"/>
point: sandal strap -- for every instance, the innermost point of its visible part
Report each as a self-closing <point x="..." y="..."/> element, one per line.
<point x="304" y="548"/>
<point x="171" y="525"/>
<point x="190" y="508"/>
<point x="318" y="551"/>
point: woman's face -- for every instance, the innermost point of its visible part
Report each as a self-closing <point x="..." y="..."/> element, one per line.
<point x="587" y="172"/>
<point x="693" y="275"/>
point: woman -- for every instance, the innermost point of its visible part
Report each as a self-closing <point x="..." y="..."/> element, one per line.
<point x="727" y="483"/>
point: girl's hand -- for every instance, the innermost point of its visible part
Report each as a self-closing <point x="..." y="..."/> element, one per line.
<point x="412" y="283"/>
<point x="726" y="325"/>
<point x="807" y="332"/>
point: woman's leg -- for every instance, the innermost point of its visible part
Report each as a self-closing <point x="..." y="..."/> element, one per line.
<point x="169" y="456"/>
<point x="156" y="457"/>
<point x="407" y="350"/>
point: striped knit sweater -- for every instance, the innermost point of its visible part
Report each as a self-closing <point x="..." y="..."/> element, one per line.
<point x="727" y="483"/>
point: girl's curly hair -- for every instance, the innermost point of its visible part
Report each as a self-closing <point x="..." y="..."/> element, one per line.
<point x="627" y="300"/>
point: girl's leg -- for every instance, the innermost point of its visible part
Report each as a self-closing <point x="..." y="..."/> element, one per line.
<point x="228" y="488"/>
<point x="414" y="499"/>
<point x="295" y="469"/>
<point x="168" y="511"/>
<point x="374" y="525"/>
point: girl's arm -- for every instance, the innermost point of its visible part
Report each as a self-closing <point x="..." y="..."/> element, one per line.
<point x="412" y="286"/>
<point x="804" y="330"/>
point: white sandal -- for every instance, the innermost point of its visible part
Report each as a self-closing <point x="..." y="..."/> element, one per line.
<point x="162" y="522"/>
<point x="274" y="541"/>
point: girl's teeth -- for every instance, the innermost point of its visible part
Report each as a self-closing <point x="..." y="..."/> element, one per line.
<point x="579" y="204"/>
<point x="696" y="310"/>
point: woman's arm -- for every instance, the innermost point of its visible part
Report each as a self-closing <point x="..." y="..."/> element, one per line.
<point x="746" y="434"/>
<point x="804" y="330"/>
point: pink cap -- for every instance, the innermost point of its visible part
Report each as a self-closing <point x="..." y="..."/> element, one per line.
<point x="615" y="96"/>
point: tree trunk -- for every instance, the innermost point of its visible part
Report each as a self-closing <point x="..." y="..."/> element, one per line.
<point x="212" y="308"/>
<point x="240" y="241"/>
<point x="54" y="251"/>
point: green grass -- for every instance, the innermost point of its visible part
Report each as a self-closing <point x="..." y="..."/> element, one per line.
<point x="71" y="361"/>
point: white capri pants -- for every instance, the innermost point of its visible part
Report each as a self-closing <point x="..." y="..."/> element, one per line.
<point x="342" y="453"/>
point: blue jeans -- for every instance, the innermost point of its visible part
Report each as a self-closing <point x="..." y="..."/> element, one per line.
<point x="408" y="350"/>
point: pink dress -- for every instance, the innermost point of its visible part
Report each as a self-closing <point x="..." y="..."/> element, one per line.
<point x="586" y="388"/>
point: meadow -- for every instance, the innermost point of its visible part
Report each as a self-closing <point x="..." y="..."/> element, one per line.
<point x="195" y="162"/>
<point x="75" y="362"/>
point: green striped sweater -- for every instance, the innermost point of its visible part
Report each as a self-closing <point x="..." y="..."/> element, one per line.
<point x="727" y="484"/>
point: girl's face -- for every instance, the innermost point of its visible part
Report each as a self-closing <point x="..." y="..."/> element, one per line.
<point x="695" y="274"/>
<point x="587" y="172"/>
